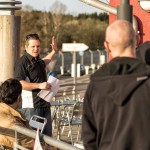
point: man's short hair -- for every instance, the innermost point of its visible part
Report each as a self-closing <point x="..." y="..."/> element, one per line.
<point x="10" y="90"/>
<point x="33" y="36"/>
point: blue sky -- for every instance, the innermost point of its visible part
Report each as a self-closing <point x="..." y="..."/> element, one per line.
<point x="73" y="6"/>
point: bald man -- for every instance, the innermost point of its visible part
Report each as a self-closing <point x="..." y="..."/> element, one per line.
<point x="116" y="110"/>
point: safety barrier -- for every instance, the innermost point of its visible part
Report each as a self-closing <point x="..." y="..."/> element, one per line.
<point x="8" y="7"/>
<point x="49" y="140"/>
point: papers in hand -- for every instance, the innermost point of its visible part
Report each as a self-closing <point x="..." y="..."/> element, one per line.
<point x="27" y="97"/>
<point x="47" y="95"/>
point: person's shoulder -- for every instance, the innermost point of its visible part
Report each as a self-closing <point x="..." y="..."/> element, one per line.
<point x="143" y="52"/>
<point x="23" y="59"/>
<point x="5" y="114"/>
<point x="102" y="71"/>
<point x="144" y="45"/>
<point x="142" y="48"/>
<point x="2" y="110"/>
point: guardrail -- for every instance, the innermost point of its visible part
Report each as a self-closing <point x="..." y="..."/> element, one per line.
<point x="8" y="7"/>
<point x="71" y="90"/>
<point x="49" y="140"/>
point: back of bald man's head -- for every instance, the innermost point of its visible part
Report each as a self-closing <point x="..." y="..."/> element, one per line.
<point x="121" y="35"/>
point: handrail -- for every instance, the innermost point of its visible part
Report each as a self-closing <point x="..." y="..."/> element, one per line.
<point x="72" y="84"/>
<point x="69" y="89"/>
<point x="8" y="7"/>
<point x="49" y="140"/>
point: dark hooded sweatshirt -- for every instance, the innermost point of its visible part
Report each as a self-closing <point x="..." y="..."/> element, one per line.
<point x="116" y="111"/>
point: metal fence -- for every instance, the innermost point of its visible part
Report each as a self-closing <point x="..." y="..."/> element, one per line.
<point x="49" y="140"/>
<point x="87" y="58"/>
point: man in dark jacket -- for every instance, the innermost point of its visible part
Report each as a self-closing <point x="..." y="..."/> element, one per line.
<point x="116" y="111"/>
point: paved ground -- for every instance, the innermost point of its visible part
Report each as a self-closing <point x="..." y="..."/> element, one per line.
<point x="64" y="135"/>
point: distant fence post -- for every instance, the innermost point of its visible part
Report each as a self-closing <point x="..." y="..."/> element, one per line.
<point x="91" y="57"/>
<point x="62" y="63"/>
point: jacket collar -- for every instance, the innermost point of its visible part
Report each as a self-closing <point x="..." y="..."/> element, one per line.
<point x="31" y="58"/>
<point x="14" y="112"/>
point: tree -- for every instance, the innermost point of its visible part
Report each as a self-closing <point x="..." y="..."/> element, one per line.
<point x="58" y="18"/>
<point x="84" y="28"/>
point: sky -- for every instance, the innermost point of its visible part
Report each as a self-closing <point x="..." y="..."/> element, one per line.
<point x="72" y="6"/>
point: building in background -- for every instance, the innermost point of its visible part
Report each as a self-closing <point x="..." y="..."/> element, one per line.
<point x="142" y="16"/>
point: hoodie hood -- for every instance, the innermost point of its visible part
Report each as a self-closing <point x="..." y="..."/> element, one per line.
<point x="120" y="78"/>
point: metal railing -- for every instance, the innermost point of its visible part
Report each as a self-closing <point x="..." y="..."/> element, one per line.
<point x="49" y="140"/>
<point x="8" y="7"/>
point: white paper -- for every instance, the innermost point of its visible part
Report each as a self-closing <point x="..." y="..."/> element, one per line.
<point x="27" y="97"/>
<point x="37" y="144"/>
<point x="47" y="95"/>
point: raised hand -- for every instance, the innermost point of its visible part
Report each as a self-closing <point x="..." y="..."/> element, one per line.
<point x="54" y="44"/>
